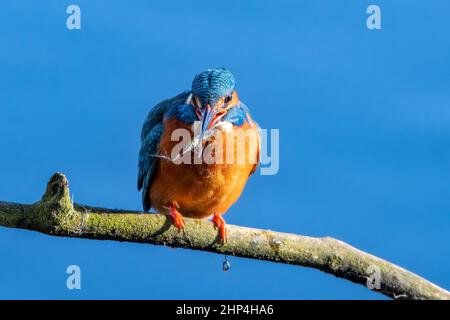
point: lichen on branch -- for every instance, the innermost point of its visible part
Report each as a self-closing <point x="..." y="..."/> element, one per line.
<point x="55" y="214"/>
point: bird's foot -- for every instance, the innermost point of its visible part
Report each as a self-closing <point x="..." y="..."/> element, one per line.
<point x="221" y="225"/>
<point x="176" y="216"/>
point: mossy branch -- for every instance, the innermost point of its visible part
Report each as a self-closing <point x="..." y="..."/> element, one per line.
<point x="56" y="215"/>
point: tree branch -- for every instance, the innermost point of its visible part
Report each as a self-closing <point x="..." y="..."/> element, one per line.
<point x="56" y="215"/>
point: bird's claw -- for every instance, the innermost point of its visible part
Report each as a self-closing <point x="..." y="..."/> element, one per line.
<point x="176" y="216"/>
<point x="221" y="225"/>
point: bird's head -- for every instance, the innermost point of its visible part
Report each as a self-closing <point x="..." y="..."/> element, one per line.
<point x="213" y="94"/>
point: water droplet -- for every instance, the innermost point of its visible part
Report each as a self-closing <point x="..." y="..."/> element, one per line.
<point x="226" y="265"/>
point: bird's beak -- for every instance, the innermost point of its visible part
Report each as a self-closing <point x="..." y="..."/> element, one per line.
<point x="210" y="117"/>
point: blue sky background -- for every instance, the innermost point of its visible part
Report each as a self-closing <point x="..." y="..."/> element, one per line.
<point x="364" y="119"/>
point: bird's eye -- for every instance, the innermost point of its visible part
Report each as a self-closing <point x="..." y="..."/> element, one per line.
<point x="228" y="98"/>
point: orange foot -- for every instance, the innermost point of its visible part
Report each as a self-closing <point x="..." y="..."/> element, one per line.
<point x="176" y="216"/>
<point x="221" y="225"/>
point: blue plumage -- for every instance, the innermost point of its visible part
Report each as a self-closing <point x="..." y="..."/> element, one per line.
<point x="212" y="84"/>
<point x="147" y="162"/>
<point x="156" y="114"/>
<point x="183" y="112"/>
<point x="237" y="114"/>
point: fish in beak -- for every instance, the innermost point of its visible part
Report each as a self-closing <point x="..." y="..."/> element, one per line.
<point x="210" y="118"/>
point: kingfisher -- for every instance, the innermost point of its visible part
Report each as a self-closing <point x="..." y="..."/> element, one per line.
<point x="198" y="189"/>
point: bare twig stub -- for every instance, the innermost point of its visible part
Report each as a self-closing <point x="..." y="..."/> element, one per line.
<point x="56" y="215"/>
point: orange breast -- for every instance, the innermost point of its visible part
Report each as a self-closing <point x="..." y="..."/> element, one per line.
<point x="206" y="188"/>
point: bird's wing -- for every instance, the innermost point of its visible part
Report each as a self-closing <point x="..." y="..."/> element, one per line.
<point x="150" y="136"/>
<point x="148" y="162"/>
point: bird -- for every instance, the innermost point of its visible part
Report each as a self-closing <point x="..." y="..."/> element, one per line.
<point x="198" y="190"/>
